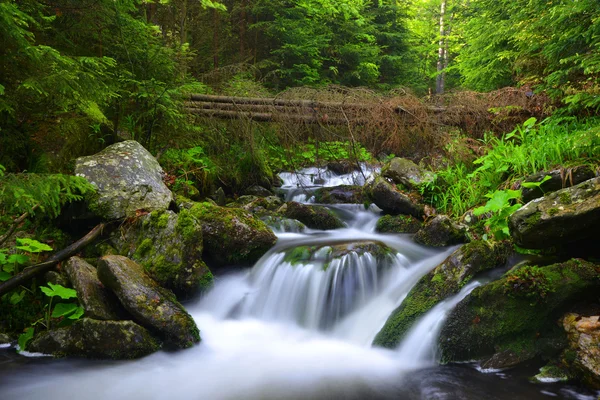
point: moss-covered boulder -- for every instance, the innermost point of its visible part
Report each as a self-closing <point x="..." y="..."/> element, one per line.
<point x="150" y="305"/>
<point x="343" y="194"/>
<point x="558" y="179"/>
<point x="518" y="313"/>
<point x="441" y="231"/>
<point x="392" y="201"/>
<point x="232" y="236"/>
<point x="262" y="205"/>
<point x="96" y="339"/>
<point x="169" y="247"/>
<point x="398" y="224"/>
<point x="97" y="301"/>
<point x="257" y="190"/>
<point x="315" y="217"/>
<point x="326" y="253"/>
<point x="127" y="177"/>
<point x="407" y="173"/>
<point x="445" y="280"/>
<point x="282" y="224"/>
<point x="565" y="216"/>
<point x="582" y="355"/>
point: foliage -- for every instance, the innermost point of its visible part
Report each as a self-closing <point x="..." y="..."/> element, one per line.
<point x="191" y="171"/>
<point x="10" y="263"/>
<point x="500" y="207"/>
<point x="312" y="153"/>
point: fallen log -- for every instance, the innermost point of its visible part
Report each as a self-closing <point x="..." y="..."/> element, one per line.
<point x="273" y="117"/>
<point x="34" y="270"/>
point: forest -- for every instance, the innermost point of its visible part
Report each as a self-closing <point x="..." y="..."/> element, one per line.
<point x="417" y="159"/>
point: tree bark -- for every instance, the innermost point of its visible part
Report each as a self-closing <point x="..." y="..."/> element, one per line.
<point x="442" y="53"/>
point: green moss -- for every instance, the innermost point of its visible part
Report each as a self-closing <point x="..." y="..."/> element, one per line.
<point x="398" y="224"/>
<point x="533" y="219"/>
<point x="298" y="255"/>
<point x="144" y="248"/>
<point x="565" y="198"/>
<point x="552" y="211"/>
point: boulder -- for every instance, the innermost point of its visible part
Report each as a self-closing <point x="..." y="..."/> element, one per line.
<point x="343" y="167"/>
<point x="315" y="217"/>
<point x="257" y="190"/>
<point x="96" y="339"/>
<point x="127" y="177"/>
<point x="263" y="204"/>
<point x="517" y="313"/>
<point x="392" y="201"/>
<point x="232" y="236"/>
<point x="445" y="280"/>
<point x="559" y="179"/>
<point x="565" y="216"/>
<point x="4" y="338"/>
<point x="150" y="305"/>
<point x="281" y="224"/>
<point x="398" y="224"/>
<point x="582" y="355"/>
<point x="169" y="247"/>
<point x="327" y="253"/>
<point x="441" y="231"/>
<point x="405" y="172"/>
<point x="97" y="301"/>
<point x="343" y="194"/>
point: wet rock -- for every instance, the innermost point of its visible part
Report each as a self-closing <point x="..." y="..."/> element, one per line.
<point x="219" y="197"/>
<point x="263" y="204"/>
<point x="567" y="215"/>
<point x="315" y="217"/>
<point x="96" y="339"/>
<point x="232" y="236"/>
<point x="550" y="374"/>
<point x="506" y="359"/>
<point x="343" y="194"/>
<point x="583" y="352"/>
<point x="342" y="167"/>
<point x="405" y="172"/>
<point x="127" y="177"/>
<point x="445" y="280"/>
<point x="169" y="246"/>
<point x="398" y="224"/>
<point x="441" y="231"/>
<point x="559" y="179"/>
<point x="518" y="312"/>
<point x="258" y="191"/>
<point x="281" y="224"/>
<point x="150" y="305"/>
<point x="392" y="201"/>
<point x="4" y="338"/>
<point x="326" y="254"/>
<point x="97" y="301"/>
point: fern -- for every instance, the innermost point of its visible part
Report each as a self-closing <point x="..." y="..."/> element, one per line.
<point x="20" y="193"/>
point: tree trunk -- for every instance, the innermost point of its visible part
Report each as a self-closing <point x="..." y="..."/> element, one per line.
<point x="182" y="22"/>
<point x="442" y="52"/>
<point x="215" y="39"/>
<point x="243" y="23"/>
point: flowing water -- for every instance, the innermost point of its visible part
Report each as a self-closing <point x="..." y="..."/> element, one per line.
<point x="295" y="328"/>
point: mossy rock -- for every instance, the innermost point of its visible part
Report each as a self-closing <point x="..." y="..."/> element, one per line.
<point x="398" y="224"/>
<point x="91" y="338"/>
<point x="405" y="172"/>
<point x="559" y="179"/>
<point x="393" y="201"/>
<point x="282" y="224"/>
<point x="441" y="231"/>
<point x="232" y="236"/>
<point x="343" y="194"/>
<point x="445" y="280"/>
<point x="325" y="254"/>
<point x="566" y="216"/>
<point x="315" y="217"/>
<point x="149" y="304"/>
<point x="169" y="247"/>
<point x="518" y="312"/>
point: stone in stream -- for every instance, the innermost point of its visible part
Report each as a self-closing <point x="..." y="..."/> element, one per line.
<point x="405" y="172"/>
<point x="149" y="304"/>
<point x="343" y="167"/>
<point x="343" y="194"/>
<point x="441" y="231"/>
<point x="393" y="201"/>
<point x="398" y="224"/>
<point x="169" y="246"/>
<point x="127" y="177"/>
<point x="315" y="217"/>
<point x="96" y="339"/>
<point x="565" y="216"/>
<point x="559" y="179"/>
<point x="513" y="319"/>
<point x="582" y="355"/>
<point x="445" y="280"/>
<point x="97" y="301"/>
<point x="232" y="236"/>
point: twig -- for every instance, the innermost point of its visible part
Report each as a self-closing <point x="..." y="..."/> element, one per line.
<point x="15" y="225"/>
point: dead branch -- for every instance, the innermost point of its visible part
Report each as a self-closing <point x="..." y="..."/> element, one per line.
<point x="15" y="225"/>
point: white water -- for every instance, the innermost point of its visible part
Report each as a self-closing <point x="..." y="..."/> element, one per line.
<point x="279" y="331"/>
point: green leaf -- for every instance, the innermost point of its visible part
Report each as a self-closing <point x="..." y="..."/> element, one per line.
<point x="4" y="276"/>
<point x="62" y="309"/>
<point x="58" y="290"/>
<point x="77" y="314"/>
<point x="16" y="298"/>
<point x="25" y="337"/>
<point x="32" y="245"/>
<point x="20" y="259"/>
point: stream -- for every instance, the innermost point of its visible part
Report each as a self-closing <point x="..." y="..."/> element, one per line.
<point x="296" y="331"/>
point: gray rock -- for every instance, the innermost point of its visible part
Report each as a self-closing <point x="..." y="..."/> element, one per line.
<point x="567" y="215"/>
<point x="169" y="246"/>
<point x="97" y="301"/>
<point x="257" y="190"/>
<point x="398" y="224"/>
<point x="584" y="344"/>
<point x="559" y="179"/>
<point x="150" y="305"/>
<point x="407" y="173"/>
<point x="127" y="177"/>
<point x="392" y="201"/>
<point x="441" y="231"/>
<point x="96" y="339"/>
<point x="4" y="338"/>
<point x="344" y="194"/>
<point x="315" y="217"/>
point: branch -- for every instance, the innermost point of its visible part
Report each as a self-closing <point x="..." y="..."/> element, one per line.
<point x="47" y="265"/>
<point x="15" y="225"/>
